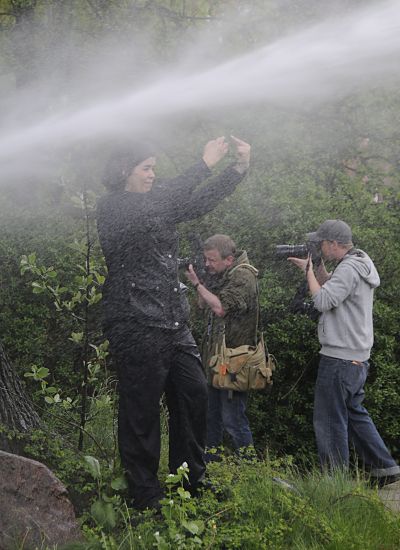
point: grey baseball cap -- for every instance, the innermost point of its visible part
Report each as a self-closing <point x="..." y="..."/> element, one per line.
<point x="332" y="230"/>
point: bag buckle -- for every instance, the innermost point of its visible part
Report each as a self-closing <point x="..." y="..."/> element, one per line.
<point x="223" y="369"/>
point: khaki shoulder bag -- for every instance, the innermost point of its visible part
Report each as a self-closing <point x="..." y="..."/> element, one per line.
<point x="243" y="368"/>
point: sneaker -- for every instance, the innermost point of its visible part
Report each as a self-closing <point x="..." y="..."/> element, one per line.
<point x="384" y="480"/>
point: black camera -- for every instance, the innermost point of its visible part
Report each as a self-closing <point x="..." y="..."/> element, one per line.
<point x="196" y="257"/>
<point x="296" y="250"/>
<point x="183" y="263"/>
<point x="301" y="302"/>
<point x="300" y="250"/>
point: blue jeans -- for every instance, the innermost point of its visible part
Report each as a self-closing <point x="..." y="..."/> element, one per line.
<point x="340" y="418"/>
<point x="229" y="415"/>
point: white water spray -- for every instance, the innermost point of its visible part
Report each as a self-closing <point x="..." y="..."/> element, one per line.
<point x="328" y="61"/>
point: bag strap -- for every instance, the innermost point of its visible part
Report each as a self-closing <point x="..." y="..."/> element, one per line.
<point x="223" y="347"/>
<point x="245" y="266"/>
<point x="251" y="268"/>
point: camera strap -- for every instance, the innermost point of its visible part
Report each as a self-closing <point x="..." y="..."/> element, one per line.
<point x="353" y="252"/>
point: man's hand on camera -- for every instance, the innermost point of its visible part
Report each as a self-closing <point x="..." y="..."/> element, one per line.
<point x="299" y="262"/>
<point x="242" y="154"/>
<point x="306" y="265"/>
<point x="205" y="297"/>
<point x="214" y="151"/>
<point x="191" y="275"/>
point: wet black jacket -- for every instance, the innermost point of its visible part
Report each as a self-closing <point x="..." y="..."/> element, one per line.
<point x="139" y="239"/>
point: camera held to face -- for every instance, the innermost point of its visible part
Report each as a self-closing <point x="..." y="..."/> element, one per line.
<point x="183" y="263"/>
<point x="300" y="302"/>
<point x="300" y="250"/>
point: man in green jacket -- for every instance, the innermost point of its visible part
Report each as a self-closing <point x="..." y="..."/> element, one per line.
<point x="231" y="303"/>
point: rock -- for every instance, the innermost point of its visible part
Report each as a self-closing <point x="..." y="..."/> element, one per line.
<point x="34" y="508"/>
<point x="390" y="496"/>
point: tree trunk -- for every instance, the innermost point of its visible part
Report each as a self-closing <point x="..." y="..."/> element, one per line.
<point x="16" y="408"/>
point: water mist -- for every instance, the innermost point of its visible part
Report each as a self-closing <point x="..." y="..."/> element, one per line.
<point x="322" y="63"/>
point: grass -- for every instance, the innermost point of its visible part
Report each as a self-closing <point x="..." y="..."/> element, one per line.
<point x="252" y="509"/>
<point x="264" y="504"/>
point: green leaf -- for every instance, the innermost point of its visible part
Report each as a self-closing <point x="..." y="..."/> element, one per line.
<point x="41" y="373"/>
<point x="37" y="288"/>
<point x="100" y="278"/>
<point x="171" y="479"/>
<point x="104" y="514"/>
<point x="67" y="403"/>
<point x="76" y="337"/>
<point x="93" y="466"/>
<point x="185" y="495"/>
<point x="194" y="527"/>
<point x="161" y="544"/>
<point x="95" y="299"/>
<point x="119" y="483"/>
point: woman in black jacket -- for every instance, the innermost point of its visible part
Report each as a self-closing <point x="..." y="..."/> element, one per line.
<point x="145" y="322"/>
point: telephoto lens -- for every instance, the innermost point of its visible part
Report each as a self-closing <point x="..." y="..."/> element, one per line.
<point x="296" y="250"/>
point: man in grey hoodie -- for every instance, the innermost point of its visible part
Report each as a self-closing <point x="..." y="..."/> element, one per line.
<point x="345" y="331"/>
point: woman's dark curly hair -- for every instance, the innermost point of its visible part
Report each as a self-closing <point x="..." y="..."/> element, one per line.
<point x="121" y="163"/>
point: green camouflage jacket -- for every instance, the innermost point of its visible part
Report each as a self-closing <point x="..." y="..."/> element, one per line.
<point x="237" y="290"/>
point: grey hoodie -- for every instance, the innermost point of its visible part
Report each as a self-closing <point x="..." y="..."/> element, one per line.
<point x="345" y="328"/>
